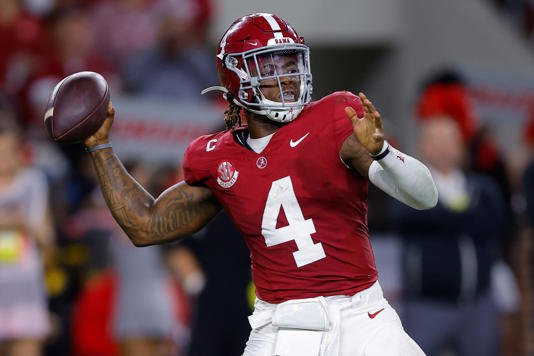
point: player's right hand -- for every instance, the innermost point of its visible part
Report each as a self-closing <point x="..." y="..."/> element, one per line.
<point x="101" y="135"/>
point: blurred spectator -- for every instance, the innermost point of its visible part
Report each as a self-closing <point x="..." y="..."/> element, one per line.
<point x="449" y="251"/>
<point x="446" y="94"/>
<point x="92" y="318"/>
<point x="25" y="226"/>
<point x="68" y="47"/>
<point x="528" y="138"/>
<point x="221" y="307"/>
<point x="141" y="310"/>
<point x="22" y="39"/>
<point x="73" y="42"/>
<point x="528" y="186"/>
<point x="71" y="50"/>
<point x="146" y="309"/>
<point x="116" y="38"/>
<point x="387" y="247"/>
<point x="177" y="66"/>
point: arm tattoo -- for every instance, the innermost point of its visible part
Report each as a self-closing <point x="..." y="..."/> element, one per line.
<point x="355" y="155"/>
<point x="178" y="212"/>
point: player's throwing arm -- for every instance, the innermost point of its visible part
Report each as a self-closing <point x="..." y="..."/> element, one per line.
<point x="80" y="110"/>
<point x="177" y="212"/>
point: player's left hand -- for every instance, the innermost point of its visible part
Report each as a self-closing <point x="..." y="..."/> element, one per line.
<point x="368" y="129"/>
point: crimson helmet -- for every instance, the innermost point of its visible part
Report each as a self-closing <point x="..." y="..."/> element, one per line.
<point x="259" y="51"/>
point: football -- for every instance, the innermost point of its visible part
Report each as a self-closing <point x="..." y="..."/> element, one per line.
<point x="77" y="107"/>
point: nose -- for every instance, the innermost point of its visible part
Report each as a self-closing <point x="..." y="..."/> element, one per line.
<point x="289" y="80"/>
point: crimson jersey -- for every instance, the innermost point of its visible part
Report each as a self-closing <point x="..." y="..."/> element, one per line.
<point x="302" y="211"/>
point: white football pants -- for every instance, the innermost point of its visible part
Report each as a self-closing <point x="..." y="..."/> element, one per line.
<point x="360" y="325"/>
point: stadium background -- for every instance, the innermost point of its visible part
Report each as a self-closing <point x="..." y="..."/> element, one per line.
<point x="388" y="49"/>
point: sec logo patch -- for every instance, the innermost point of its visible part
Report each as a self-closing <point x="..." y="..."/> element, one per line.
<point x="226" y="174"/>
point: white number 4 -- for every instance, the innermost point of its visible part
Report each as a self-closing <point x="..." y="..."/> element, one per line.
<point x="298" y="228"/>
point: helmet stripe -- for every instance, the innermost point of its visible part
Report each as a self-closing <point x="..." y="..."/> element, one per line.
<point x="274" y="25"/>
<point x="223" y="44"/>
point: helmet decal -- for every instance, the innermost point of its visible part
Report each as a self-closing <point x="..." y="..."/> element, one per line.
<point x="220" y="55"/>
<point x="275" y="27"/>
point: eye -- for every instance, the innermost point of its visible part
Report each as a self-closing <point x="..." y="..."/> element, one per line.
<point x="291" y="67"/>
<point x="268" y="70"/>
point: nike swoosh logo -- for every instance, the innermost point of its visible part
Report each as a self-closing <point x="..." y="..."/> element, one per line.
<point x="372" y="316"/>
<point x="295" y="143"/>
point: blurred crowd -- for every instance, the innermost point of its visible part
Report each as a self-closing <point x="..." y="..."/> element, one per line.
<point x="70" y="281"/>
<point x="464" y="286"/>
<point x="72" y="284"/>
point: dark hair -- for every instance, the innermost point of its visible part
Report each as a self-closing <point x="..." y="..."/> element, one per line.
<point x="232" y="116"/>
<point x="64" y="12"/>
<point x="444" y="76"/>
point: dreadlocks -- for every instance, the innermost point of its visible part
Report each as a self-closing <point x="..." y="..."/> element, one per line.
<point x="232" y="116"/>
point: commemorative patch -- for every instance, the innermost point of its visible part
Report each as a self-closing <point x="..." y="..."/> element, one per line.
<point x="226" y="174"/>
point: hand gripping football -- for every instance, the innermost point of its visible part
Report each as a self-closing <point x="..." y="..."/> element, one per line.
<point x="77" y="107"/>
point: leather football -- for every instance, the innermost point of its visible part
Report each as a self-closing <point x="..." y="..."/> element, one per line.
<point x="77" y="107"/>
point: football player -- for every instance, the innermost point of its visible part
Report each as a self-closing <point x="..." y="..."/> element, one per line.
<point x="294" y="181"/>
